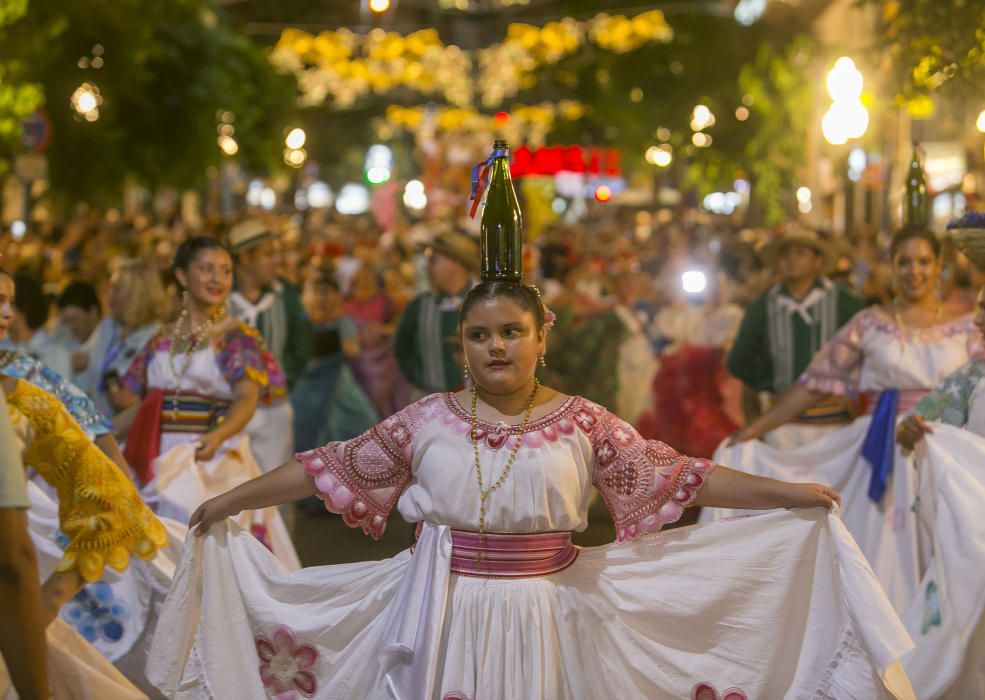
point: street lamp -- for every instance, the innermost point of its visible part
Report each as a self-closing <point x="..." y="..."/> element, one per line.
<point x="86" y="101"/>
<point x="295" y="139"/>
<point x="847" y="118"/>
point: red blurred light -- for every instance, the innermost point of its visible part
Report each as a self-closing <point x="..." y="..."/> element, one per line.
<point x="501" y="118"/>
<point x="603" y="193"/>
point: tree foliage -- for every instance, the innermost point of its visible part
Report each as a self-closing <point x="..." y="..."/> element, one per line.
<point x="168" y="69"/>
<point x="17" y="99"/>
<point x="779" y="96"/>
<point x="934" y="44"/>
<point x="711" y="62"/>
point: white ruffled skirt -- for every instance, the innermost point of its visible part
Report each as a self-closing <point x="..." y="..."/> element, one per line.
<point x="946" y="618"/>
<point x="886" y="532"/>
<point x="181" y="483"/>
<point x="97" y="647"/>
<point x="781" y="605"/>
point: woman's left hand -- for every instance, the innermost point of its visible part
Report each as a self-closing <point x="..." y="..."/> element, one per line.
<point x="739" y="436"/>
<point x="812" y="495"/>
<point x="206" y="446"/>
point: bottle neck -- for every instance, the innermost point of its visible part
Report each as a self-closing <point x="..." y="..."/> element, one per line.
<point x="500" y="164"/>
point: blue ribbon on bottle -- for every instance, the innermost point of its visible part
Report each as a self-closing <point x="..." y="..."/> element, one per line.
<point x="480" y="175"/>
<point x="879" y="448"/>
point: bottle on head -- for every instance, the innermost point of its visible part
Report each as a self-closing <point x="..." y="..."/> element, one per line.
<point x="501" y="229"/>
<point x="916" y="213"/>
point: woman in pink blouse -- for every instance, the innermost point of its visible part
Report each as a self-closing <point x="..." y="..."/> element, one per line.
<point x="890" y="356"/>
<point x="494" y="600"/>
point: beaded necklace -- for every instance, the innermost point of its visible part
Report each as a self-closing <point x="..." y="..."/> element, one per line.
<point x="485" y="493"/>
<point x="189" y="342"/>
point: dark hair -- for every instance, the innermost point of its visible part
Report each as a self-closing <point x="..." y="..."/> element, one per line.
<point x="523" y="295"/>
<point x="910" y="232"/>
<point x="30" y="300"/>
<point x="190" y="249"/>
<point x="81" y="294"/>
<point x="4" y="272"/>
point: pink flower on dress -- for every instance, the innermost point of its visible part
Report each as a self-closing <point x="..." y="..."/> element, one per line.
<point x="285" y="665"/>
<point x="706" y="691"/>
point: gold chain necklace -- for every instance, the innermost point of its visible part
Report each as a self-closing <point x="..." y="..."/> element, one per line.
<point x="190" y="342"/>
<point x="485" y="493"/>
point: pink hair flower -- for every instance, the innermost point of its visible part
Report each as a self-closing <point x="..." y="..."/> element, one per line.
<point x="549" y="318"/>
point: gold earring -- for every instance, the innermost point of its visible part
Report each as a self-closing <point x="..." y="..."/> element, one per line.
<point x="465" y="370"/>
<point x="543" y="360"/>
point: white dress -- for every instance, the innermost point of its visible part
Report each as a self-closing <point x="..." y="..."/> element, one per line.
<point x="869" y="354"/>
<point x="103" y="634"/>
<point x="778" y="606"/>
<point x="97" y="646"/>
<point x="180" y="482"/>
<point x="947" y="617"/>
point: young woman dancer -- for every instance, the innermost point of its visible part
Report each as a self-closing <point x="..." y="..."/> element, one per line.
<point x="494" y="601"/>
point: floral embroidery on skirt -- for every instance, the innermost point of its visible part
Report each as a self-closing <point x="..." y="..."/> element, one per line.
<point x="285" y="665"/>
<point x="706" y="691"/>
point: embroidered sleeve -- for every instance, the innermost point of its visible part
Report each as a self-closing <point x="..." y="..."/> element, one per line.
<point x="838" y="364"/>
<point x="135" y="380"/>
<point x="362" y="478"/>
<point x="948" y="403"/>
<point x="242" y="353"/>
<point x="645" y="483"/>
<point x="99" y="509"/>
<point x="80" y="406"/>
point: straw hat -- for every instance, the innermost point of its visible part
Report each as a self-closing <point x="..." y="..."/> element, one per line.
<point x="771" y="252"/>
<point x="247" y="234"/>
<point x="458" y="246"/>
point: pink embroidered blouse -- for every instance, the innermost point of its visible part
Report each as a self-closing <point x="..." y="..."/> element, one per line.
<point x="871" y="353"/>
<point x="421" y="460"/>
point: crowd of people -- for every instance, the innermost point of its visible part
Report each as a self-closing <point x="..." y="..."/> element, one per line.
<point x="158" y="376"/>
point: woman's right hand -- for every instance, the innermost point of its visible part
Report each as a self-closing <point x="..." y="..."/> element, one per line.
<point x="911" y="431"/>
<point x="209" y="513"/>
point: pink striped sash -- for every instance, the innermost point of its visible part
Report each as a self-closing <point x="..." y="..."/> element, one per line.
<point x="498" y="555"/>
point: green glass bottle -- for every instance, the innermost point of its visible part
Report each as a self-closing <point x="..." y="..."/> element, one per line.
<point x="501" y="228"/>
<point x="916" y="212"/>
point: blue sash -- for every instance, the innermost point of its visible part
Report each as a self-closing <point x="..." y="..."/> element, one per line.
<point x="879" y="448"/>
